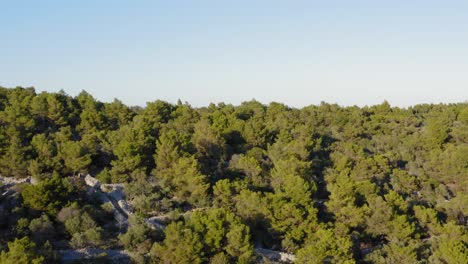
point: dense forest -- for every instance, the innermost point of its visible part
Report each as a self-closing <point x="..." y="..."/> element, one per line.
<point x="324" y="183"/>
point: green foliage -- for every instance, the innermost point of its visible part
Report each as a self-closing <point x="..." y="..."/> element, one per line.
<point x="250" y="167"/>
<point x="182" y="245"/>
<point x="91" y="116"/>
<point x="427" y="218"/>
<point x="288" y="181"/>
<point x="394" y="253"/>
<point x="138" y="237"/>
<point x="143" y="195"/>
<point x="169" y="148"/>
<point x="42" y="229"/>
<point x="185" y="180"/>
<point x="80" y="226"/>
<point x="219" y="258"/>
<point x="385" y="220"/>
<point x="46" y="152"/>
<point x="336" y="184"/>
<point x="451" y="245"/>
<point x="75" y="156"/>
<point x="89" y="238"/>
<point x="128" y="145"/>
<point x="48" y="195"/>
<point x="343" y="201"/>
<point x="12" y="158"/>
<point x="210" y="147"/>
<point x="224" y="192"/>
<point x="117" y="114"/>
<point x="21" y="251"/>
<point x="290" y="220"/>
<point x="224" y="238"/>
<point x="324" y="246"/>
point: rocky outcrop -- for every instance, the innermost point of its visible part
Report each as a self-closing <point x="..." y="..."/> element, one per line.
<point x="154" y="223"/>
<point x="91" y="181"/>
<point x="114" y="195"/>
<point x="10" y="181"/>
<point x="272" y="255"/>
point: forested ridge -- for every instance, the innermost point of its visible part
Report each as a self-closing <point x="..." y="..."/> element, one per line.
<point x="325" y="183"/>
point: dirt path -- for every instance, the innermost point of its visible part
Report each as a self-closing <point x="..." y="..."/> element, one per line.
<point x="121" y="214"/>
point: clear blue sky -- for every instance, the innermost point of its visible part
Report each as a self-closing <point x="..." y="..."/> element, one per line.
<point x="295" y="52"/>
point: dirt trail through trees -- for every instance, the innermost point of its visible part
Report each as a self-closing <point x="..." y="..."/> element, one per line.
<point x="113" y="194"/>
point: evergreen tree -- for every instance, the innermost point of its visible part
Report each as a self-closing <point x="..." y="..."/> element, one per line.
<point x="21" y="251"/>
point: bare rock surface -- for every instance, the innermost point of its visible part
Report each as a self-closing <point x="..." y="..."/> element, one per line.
<point x="273" y="255"/>
<point x="114" y="194"/>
